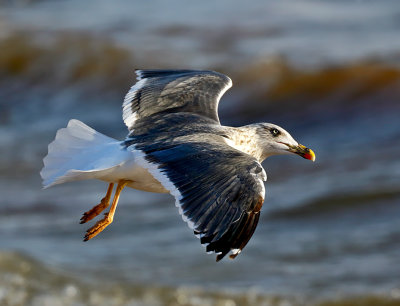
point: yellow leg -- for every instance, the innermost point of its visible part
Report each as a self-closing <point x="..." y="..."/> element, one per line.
<point x="108" y="217"/>
<point x="96" y="210"/>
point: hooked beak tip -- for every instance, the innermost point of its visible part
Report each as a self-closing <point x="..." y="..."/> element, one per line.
<point x="303" y="152"/>
<point x="310" y="155"/>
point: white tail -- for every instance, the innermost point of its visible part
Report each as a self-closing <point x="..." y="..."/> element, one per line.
<point x="79" y="152"/>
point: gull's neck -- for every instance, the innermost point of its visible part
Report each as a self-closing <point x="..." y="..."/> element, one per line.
<point x="245" y="139"/>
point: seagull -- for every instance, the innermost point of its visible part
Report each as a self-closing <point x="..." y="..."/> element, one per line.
<point x="177" y="145"/>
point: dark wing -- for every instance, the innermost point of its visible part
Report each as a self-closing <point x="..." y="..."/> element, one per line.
<point x="174" y="91"/>
<point x="219" y="190"/>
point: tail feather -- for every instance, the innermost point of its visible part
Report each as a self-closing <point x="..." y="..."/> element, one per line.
<point x="79" y="152"/>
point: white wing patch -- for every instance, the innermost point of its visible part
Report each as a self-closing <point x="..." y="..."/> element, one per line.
<point x="127" y="114"/>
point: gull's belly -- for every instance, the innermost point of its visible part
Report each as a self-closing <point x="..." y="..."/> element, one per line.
<point x="140" y="177"/>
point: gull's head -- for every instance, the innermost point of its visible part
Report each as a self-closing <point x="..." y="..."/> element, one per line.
<point x="274" y="140"/>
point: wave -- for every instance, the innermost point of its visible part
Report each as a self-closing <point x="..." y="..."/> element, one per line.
<point x="26" y="281"/>
<point x="332" y="203"/>
<point x="65" y="59"/>
<point x="88" y="61"/>
<point x="336" y="91"/>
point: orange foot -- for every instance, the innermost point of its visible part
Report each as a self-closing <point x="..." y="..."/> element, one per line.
<point x="108" y="217"/>
<point x="96" y="210"/>
<point x="98" y="227"/>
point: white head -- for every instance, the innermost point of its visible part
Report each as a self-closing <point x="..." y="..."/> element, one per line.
<point x="274" y="140"/>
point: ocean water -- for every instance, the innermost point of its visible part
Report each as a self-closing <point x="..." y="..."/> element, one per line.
<point x="327" y="71"/>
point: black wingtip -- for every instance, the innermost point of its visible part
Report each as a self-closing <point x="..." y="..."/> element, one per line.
<point x="236" y="237"/>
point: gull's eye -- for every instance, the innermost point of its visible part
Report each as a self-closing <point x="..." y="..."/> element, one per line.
<point x="274" y="132"/>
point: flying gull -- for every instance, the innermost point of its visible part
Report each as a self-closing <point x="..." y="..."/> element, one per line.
<point x="177" y="145"/>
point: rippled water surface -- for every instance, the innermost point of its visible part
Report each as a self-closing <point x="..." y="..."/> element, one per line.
<point x="327" y="71"/>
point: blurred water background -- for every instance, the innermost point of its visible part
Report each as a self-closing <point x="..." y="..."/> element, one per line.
<point x="327" y="71"/>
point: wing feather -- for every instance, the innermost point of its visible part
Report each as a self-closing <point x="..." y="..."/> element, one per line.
<point x="218" y="190"/>
<point x="159" y="91"/>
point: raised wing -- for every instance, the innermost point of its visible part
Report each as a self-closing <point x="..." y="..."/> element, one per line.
<point x="219" y="191"/>
<point x="158" y="91"/>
